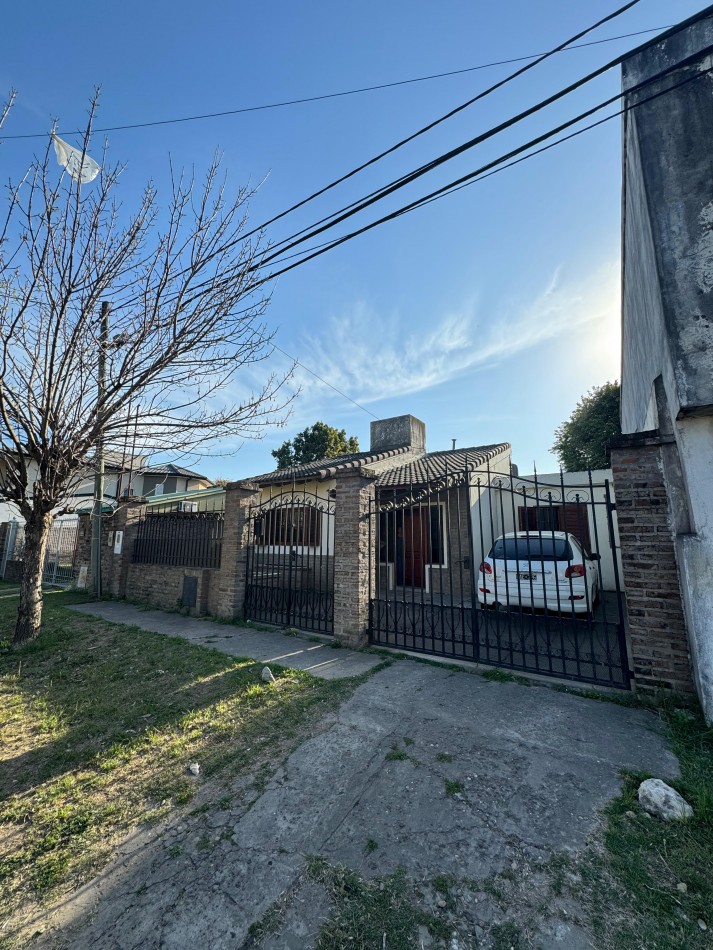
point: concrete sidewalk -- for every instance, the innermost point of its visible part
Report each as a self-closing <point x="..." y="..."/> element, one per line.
<point x="451" y="777"/>
<point x="266" y="646"/>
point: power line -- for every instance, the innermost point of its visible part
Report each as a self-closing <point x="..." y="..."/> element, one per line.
<point x="317" y="376"/>
<point x="484" y="171"/>
<point x="478" y="173"/>
<point x="479" y="176"/>
<point x="448" y="115"/>
<point x="332" y="95"/>
<point x="353" y="208"/>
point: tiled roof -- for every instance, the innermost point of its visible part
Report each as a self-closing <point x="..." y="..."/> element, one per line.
<point x="434" y="464"/>
<point x="404" y="471"/>
<point x="325" y="468"/>
<point x="171" y="470"/>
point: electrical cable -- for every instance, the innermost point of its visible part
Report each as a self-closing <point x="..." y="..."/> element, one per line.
<point x="311" y="231"/>
<point x="448" y="115"/>
<point x="359" y="205"/>
<point x="355" y="207"/>
<point x="466" y="179"/>
<point x="332" y="95"/>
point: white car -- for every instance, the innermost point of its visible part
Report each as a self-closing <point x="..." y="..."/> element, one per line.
<point x="541" y="570"/>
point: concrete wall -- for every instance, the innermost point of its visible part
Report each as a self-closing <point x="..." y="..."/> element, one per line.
<point x="486" y="516"/>
<point x="669" y="180"/>
<point x="667" y="353"/>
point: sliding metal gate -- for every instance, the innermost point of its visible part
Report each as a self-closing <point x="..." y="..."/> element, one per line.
<point x="508" y="571"/>
<point x="290" y="563"/>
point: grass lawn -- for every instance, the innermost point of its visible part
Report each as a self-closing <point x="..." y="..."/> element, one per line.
<point x="98" y="724"/>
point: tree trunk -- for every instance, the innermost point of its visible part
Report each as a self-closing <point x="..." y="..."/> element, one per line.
<point x="29" y="615"/>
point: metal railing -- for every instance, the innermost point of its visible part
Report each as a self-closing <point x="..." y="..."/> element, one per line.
<point x="180" y="539"/>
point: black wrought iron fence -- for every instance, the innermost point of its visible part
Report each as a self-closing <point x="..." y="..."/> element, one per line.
<point x="180" y="539"/>
<point x="516" y="572"/>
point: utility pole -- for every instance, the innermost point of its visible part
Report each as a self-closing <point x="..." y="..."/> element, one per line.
<point x="99" y="476"/>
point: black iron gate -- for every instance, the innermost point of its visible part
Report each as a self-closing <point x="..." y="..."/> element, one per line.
<point x="290" y="563"/>
<point x="521" y="573"/>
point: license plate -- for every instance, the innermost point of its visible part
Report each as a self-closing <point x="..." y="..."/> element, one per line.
<point x="527" y="577"/>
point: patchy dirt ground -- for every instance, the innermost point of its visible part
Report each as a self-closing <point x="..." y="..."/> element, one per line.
<point x="436" y="809"/>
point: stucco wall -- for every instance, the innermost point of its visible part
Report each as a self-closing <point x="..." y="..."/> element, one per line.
<point x="668" y="307"/>
<point x="645" y="353"/>
<point x="669" y="178"/>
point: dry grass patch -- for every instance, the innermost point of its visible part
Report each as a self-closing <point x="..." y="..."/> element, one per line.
<point x="98" y="724"/>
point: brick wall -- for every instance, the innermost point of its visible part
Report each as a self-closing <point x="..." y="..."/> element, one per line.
<point x="351" y="558"/>
<point x="659" y="642"/>
<point x="162" y="586"/>
<point x="226" y="597"/>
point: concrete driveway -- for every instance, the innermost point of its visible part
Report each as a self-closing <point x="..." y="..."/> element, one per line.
<point x="445" y="774"/>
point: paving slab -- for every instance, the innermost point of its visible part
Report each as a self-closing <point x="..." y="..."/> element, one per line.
<point x="491" y="778"/>
<point x="266" y="646"/>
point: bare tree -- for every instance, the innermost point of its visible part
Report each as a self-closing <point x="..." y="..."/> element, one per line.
<point x="186" y="306"/>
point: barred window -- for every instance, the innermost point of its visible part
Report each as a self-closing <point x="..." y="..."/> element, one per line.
<point x="299" y="526"/>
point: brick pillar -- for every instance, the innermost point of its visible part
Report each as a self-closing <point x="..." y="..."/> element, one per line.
<point x="659" y="641"/>
<point x="351" y="558"/>
<point x="115" y="566"/>
<point x="83" y="551"/>
<point x="226" y="595"/>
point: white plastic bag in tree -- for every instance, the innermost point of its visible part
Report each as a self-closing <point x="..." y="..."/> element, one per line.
<point x="81" y="170"/>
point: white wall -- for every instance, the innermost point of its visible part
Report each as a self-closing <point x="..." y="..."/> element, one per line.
<point x="502" y="508"/>
<point x="694" y="437"/>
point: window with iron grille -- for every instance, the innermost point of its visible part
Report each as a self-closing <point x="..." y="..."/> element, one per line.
<point x="295" y="526"/>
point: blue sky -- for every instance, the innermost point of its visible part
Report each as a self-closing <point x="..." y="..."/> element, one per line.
<point x="486" y="314"/>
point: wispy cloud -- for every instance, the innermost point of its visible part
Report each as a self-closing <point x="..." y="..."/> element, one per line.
<point x="373" y="357"/>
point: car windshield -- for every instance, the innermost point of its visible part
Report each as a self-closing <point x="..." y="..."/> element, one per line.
<point x="534" y="548"/>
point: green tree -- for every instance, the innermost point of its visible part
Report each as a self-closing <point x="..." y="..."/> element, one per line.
<point x="316" y="442"/>
<point x="581" y="441"/>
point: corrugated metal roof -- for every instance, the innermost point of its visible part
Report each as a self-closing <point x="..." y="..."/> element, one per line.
<point x="435" y="464"/>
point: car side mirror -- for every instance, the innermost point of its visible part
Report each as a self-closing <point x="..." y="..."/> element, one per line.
<point x="595" y="557"/>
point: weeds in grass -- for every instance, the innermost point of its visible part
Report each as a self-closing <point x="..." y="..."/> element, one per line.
<point x="502" y="676"/>
<point x="507" y="936"/>
<point x="371" y="913"/>
<point x="398" y="755"/>
<point x="453" y="787"/>
<point x="444" y="885"/>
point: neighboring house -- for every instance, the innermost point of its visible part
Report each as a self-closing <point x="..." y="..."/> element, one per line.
<point x="134" y="477"/>
<point x="164" y="480"/>
<point x="667" y="324"/>
<point x="123" y="475"/>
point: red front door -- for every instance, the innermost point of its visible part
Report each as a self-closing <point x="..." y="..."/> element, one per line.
<point x="415" y="548"/>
